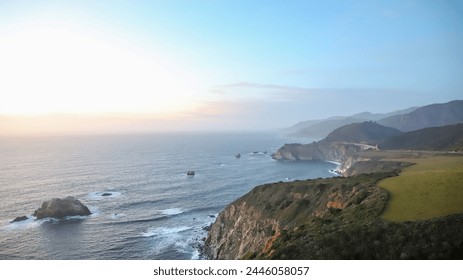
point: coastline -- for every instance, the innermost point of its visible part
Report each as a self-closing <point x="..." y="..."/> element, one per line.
<point x="337" y="170"/>
<point x="331" y="218"/>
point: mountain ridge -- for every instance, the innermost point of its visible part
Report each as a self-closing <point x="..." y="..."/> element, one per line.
<point x="433" y="115"/>
<point x="413" y="118"/>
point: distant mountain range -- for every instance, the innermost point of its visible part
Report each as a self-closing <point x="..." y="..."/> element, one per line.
<point x="404" y="120"/>
<point x="427" y="116"/>
<point x="449" y="137"/>
<point x="442" y="138"/>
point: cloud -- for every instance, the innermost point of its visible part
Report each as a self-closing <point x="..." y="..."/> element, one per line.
<point x="265" y="86"/>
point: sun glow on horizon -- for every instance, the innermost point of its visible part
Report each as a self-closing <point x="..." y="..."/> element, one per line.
<point x="49" y="69"/>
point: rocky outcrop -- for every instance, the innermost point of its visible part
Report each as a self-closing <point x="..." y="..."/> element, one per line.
<point x="342" y="152"/>
<point x="59" y="208"/>
<point x="19" y="219"/>
<point x="334" y="218"/>
<point x="251" y="224"/>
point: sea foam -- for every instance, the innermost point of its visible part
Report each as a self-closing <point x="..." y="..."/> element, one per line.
<point x="171" y="211"/>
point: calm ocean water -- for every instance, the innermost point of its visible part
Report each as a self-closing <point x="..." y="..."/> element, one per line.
<point x="155" y="211"/>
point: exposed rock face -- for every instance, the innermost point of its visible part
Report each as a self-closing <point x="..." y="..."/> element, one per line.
<point x="341" y="152"/>
<point x="254" y="222"/>
<point x="59" y="208"/>
<point x="335" y="218"/>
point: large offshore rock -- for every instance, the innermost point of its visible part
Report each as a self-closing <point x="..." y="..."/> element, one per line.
<point x="59" y="208"/>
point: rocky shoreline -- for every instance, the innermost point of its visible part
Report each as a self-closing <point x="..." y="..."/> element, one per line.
<point x="332" y="218"/>
<point x="346" y="154"/>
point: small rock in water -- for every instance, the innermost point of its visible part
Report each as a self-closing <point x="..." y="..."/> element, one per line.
<point x="106" y="194"/>
<point x="19" y="219"/>
<point x="212" y="216"/>
<point x="190" y="173"/>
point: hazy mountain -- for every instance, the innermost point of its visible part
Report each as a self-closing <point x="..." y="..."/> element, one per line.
<point x="365" y="132"/>
<point x="374" y="117"/>
<point x="449" y="137"/>
<point x="427" y="116"/>
<point x="324" y="127"/>
<point x="321" y="128"/>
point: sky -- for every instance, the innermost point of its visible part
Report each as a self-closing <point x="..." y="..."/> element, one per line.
<point x="148" y="66"/>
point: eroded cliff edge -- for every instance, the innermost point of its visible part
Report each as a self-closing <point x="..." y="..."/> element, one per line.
<point x="334" y="218"/>
<point x="342" y="152"/>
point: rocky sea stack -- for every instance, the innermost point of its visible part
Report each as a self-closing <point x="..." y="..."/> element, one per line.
<point x="59" y="208"/>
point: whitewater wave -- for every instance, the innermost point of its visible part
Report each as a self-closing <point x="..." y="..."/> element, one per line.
<point x="31" y="222"/>
<point x="171" y="211"/>
<point x="116" y="216"/>
<point x="138" y="221"/>
<point x="166" y="239"/>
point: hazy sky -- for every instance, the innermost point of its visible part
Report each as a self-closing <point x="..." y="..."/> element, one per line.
<point x="108" y="66"/>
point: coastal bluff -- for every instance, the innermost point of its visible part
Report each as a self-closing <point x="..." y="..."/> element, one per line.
<point x="252" y="224"/>
<point x="341" y="152"/>
<point x="333" y="218"/>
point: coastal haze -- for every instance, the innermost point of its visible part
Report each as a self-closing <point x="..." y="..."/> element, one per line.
<point x="97" y="67"/>
<point x="231" y="129"/>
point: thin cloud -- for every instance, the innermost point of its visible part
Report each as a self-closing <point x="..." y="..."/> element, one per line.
<point x="264" y="86"/>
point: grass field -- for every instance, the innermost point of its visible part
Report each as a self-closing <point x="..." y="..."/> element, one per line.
<point x="431" y="188"/>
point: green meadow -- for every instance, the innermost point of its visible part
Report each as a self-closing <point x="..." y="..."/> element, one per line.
<point x="431" y="188"/>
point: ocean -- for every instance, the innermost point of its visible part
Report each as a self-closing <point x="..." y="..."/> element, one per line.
<point x="155" y="211"/>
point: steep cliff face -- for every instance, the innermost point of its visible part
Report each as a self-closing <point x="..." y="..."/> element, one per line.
<point x="342" y="152"/>
<point x="335" y="218"/>
<point x="251" y="224"/>
<point x="239" y="229"/>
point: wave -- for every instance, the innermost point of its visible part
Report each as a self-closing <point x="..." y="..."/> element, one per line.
<point x="139" y="203"/>
<point x="166" y="240"/>
<point x="32" y="222"/>
<point x="165" y="231"/>
<point x="95" y="210"/>
<point x="138" y="221"/>
<point x="171" y="211"/>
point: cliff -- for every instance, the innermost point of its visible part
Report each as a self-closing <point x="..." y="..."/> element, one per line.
<point x="252" y="223"/>
<point x="342" y="152"/>
<point x="334" y="218"/>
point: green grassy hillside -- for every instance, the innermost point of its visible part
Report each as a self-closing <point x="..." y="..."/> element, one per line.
<point x="431" y="188"/>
